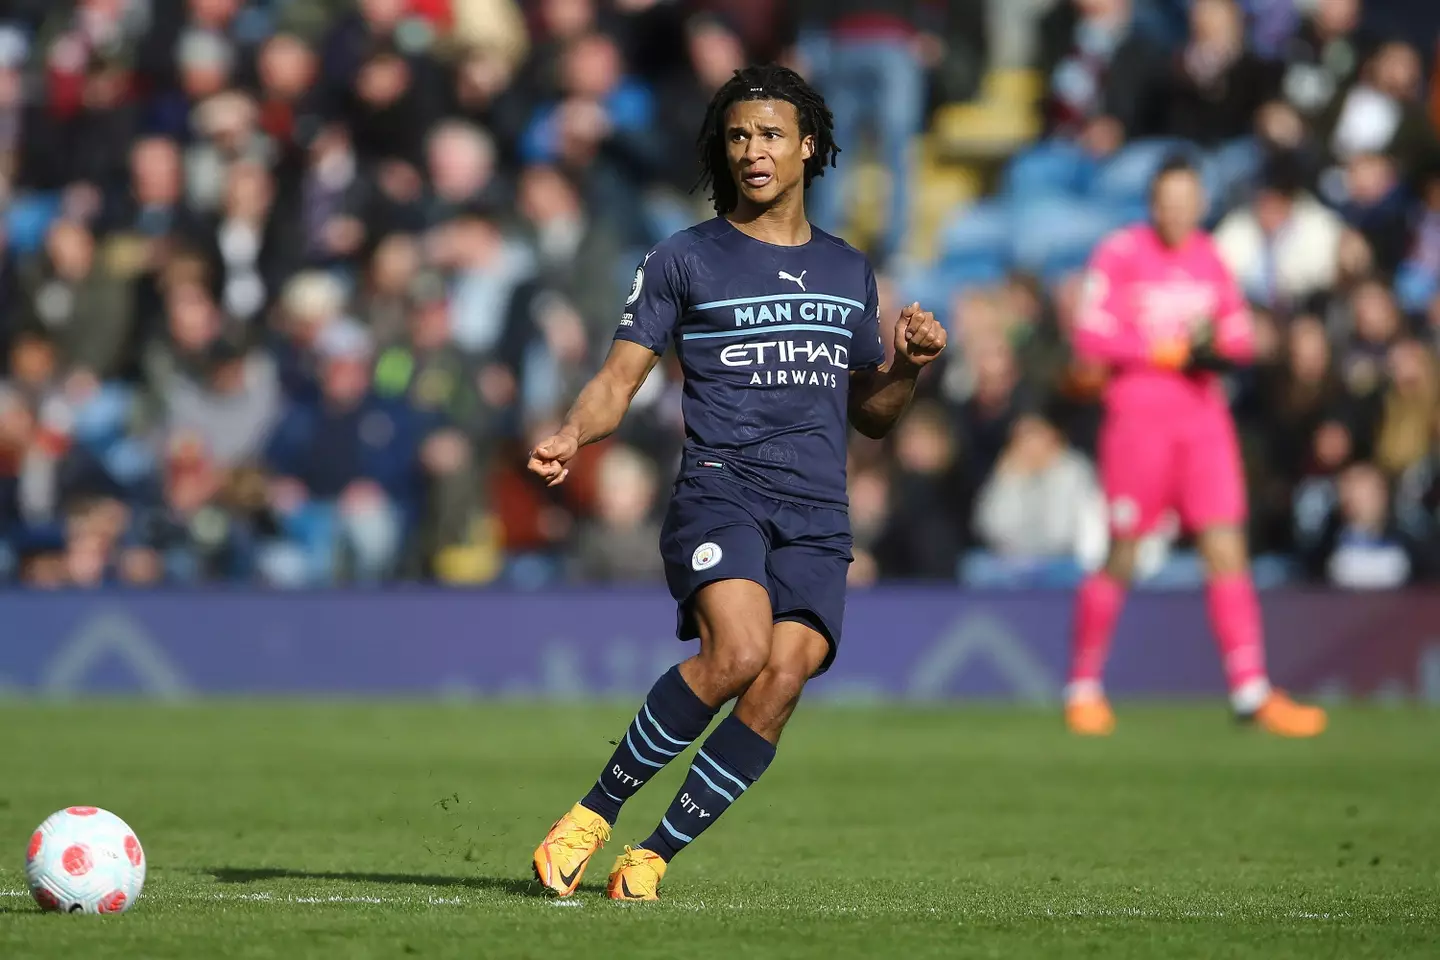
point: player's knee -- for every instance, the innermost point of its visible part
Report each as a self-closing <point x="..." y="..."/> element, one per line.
<point x="1120" y="561"/>
<point x="786" y="676"/>
<point x="1224" y="551"/>
<point x="736" y="663"/>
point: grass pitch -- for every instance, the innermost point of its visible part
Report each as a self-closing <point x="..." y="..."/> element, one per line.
<point x="360" y="831"/>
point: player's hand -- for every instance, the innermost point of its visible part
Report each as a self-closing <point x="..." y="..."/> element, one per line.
<point x="1171" y="354"/>
<point x="919" y="337"/>
<point x="550" y="458"/>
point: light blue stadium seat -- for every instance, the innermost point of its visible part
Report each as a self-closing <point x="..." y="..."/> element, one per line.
<point x="1415" y="287"/>
<point x="28" y="219"/>
<point x="1049" y="167"/>
<point x="1126" y="176"/>
<point x="981" y="228"/>
<point x="1228" y="172"/>
<point x="1054" y="229"/>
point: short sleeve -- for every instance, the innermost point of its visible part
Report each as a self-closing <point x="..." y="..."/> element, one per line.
<point x="656" y="303"/>
<point x="867" y="349"/>
<point x="1101" y="293"/>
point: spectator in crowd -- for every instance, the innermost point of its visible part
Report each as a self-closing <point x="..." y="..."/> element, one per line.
<point x="1382" y="113"/>
<point x="1104" y="78"/>
<point x="617" y="546"/>
<point x="461" y="163"/>
<point x="74" y="299"/>
<point x="1411" y="403"/>
<point x="285" y="289"/>
<point x="987" y="417"/>
<point x="928" y="516"/>
<point x="869" y="58"/>
<point x="1216" y="85"/>
<point x="599" y="131"/>
<point x="225" y="415"/>
<point x="386" y="289"/>
<point x="1284" y="246"/>
<point x="289" y="103"/>
<point x="574" y="250"/>
<point x="1361" y="547"/>
<point x="1038" y="499"/>
<point x="349" y="471"/>
<point x="1418" y="278"/>
<point x="310" y="304"/>
<point x="1325" y="55"/>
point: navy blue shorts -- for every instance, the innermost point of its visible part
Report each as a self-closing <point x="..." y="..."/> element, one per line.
<point x="718" y="529"/>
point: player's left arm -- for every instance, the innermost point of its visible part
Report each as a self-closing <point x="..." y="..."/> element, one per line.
<point x="1232" y="335"/>
<point x="880" y="394"/>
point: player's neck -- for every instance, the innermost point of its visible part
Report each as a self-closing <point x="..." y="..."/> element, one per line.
<point x="782" y="223"/>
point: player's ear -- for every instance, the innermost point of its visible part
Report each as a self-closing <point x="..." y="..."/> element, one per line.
<point x="807" y="148"/>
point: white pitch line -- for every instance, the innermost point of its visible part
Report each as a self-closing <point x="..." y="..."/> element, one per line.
<point x="1133" y="913"/>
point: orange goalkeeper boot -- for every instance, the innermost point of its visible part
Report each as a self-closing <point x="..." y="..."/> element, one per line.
<point x="1090" y="716"/>
<point x="1285" y="718"/>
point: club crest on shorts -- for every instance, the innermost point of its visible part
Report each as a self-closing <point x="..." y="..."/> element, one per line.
<point x="706" y="556"/>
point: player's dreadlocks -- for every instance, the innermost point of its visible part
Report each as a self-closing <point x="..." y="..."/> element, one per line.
<point x="769" y="82"/>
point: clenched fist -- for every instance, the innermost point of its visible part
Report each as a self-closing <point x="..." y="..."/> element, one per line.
<point x="550" y="458"/>
<point x="919" y="337"/>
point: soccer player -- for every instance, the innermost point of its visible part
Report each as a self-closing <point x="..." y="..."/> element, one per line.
<point x="1165" y="315"/>
<point x="777" y="328"/>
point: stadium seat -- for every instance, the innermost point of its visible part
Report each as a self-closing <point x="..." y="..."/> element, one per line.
<point x="28" y="219"/>
<point x="1049" y="167"/>
<point x="1057" y="229"/>
<point x="1228" y="170"/>
<point x="1126" y="176"/>
<point x="985" y="227"/>
<point x="1415" y="287"/>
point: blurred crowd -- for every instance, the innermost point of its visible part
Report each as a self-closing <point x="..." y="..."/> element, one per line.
<point x="287" y="287"/>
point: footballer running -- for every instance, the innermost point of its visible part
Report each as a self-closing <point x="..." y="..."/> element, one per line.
<point x="776" y="325"/>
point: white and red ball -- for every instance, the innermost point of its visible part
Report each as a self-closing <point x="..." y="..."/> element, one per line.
<point x="85" y="860"/>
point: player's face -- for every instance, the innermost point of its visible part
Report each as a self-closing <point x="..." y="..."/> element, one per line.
<point x="766" y="150"/>
<point x="1177" y="205"/>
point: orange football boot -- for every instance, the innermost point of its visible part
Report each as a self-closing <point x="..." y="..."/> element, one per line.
<point x="1285" y="718"/>
<point x="1090" y="716"/>
<point x="562" y="856"/>
<point x="637" y="875"/>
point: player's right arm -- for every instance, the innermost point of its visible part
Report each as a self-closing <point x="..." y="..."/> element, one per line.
<point x="1104" y="332"/>
<point x="597" y="411"/>
<point x="652" y="311"/>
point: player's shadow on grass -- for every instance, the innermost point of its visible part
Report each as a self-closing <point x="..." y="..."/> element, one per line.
<point x="513" y="886"/>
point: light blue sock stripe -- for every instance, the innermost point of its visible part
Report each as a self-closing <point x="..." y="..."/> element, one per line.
<point x="609" y="794"/>
<point x="631" y="744"/>
<point x="673" y="832"/>
<point x="722" y="771"/>
<point x="651" y="743"/>
<point x="701" y="774"/>
<point x="682" y="744"/>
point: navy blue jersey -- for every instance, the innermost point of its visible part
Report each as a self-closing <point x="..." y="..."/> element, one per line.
<point x="767" y="336"/>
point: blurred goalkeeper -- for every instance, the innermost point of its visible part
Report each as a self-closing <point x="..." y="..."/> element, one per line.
<point x="1165" y="316"/>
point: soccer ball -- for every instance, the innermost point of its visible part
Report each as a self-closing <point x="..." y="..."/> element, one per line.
<point x="85" y="860"/>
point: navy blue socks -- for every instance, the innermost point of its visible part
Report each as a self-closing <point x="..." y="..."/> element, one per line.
<point x="732" y="758"/>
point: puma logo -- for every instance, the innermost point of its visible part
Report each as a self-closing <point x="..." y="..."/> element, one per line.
<point x="800" y="280"/>
<point x="625" y="891"/>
